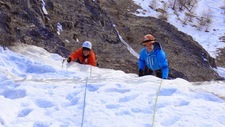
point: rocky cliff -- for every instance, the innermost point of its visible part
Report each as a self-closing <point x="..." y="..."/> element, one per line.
<point x="27" y="21"/>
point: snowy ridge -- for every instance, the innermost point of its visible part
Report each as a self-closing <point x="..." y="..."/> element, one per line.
<point x="208" y="40"/>
<point x="35" y="91"/>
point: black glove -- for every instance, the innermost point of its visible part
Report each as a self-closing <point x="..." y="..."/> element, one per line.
<point x="141" y="73"/>
<point x="68" y="59"/>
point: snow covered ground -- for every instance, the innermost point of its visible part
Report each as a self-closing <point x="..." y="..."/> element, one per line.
<point x="37" y="91"/>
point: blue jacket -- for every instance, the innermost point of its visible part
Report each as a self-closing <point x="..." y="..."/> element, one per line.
<point x="155" y="60"/>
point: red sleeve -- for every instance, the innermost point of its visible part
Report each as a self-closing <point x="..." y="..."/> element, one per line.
<point x="76" y="54"/>
<point x="92" y="58"/>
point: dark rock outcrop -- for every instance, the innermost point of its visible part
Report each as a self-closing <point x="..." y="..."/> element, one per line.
<point x="24" y="21"/>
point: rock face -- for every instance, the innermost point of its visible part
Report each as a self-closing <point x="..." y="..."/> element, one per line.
<point x="26" y="21"/>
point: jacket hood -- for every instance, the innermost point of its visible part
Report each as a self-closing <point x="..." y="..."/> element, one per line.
<point x="157" y="46"/>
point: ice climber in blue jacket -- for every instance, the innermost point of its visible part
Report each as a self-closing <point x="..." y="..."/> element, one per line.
<point x="152" y="60"/>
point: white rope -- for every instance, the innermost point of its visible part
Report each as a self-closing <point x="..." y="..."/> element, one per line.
<point x="156" y="100"/>
<point x="84" y="102"/>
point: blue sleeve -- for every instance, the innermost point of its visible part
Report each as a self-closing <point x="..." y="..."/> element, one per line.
<point x="141" y="60"/>
<point x="165" y="72"/>
<point x="164" y="64"/>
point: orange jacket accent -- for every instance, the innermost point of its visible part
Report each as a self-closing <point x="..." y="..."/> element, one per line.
<point x="78" y="56"/>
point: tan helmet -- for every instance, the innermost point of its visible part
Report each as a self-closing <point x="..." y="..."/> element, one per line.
<point x="148" y="38"/>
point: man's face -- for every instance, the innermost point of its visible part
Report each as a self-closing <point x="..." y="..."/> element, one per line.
<point x="149" y="46"/>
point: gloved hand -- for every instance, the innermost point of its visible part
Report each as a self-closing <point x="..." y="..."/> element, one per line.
<point x="68" y="59"/>
<point x="141" y="73"/>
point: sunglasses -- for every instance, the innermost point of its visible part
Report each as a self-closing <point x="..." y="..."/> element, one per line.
<point x="86" y="49"/>
<point x="146" y="41"/>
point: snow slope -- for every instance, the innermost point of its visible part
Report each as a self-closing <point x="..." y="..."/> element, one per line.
<point x="36" y="91"/>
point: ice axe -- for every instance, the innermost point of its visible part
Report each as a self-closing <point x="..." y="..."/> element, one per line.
<point x="63" y="62"/>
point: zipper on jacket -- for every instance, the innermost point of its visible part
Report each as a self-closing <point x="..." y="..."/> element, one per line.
<point x="151" y="62"/>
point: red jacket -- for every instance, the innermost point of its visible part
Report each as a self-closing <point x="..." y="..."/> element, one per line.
<point x="78" y="56"/>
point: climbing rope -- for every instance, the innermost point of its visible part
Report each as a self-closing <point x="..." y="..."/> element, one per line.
<point x="156" y="100"/>
<point x="84" y="102"/>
